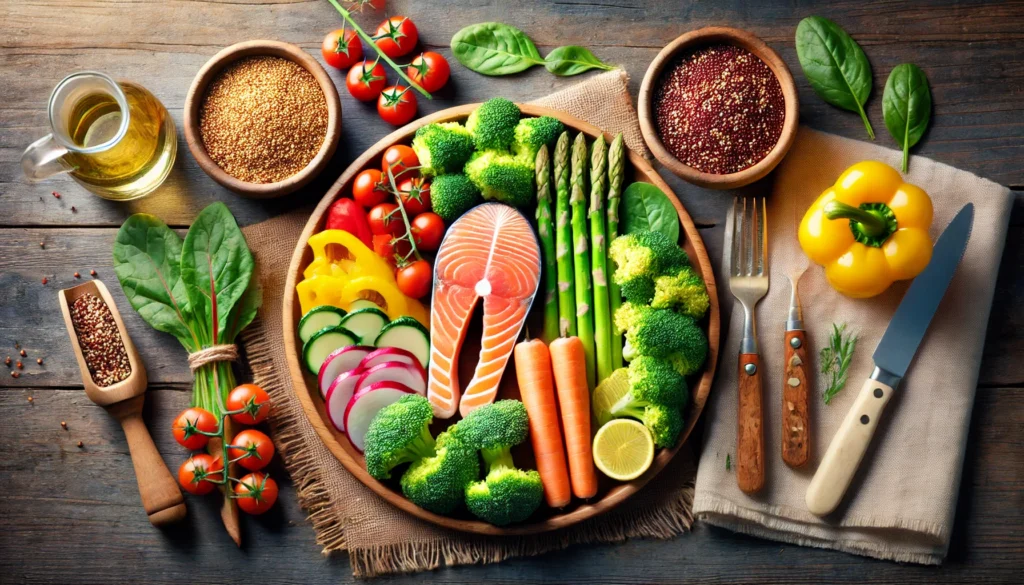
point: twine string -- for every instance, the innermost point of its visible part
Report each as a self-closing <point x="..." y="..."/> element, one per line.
<point x="214" y="353"/>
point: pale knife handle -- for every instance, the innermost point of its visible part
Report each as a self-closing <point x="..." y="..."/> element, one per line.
<point x="847" y="448"/>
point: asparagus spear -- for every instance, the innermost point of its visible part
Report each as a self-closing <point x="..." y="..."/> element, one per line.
<point x="616" y="161"/>
<point x="599" y="255"/>
<point x="547" y="239"/>
<point x="581" y="253"/>
<point x="563" y="240"/>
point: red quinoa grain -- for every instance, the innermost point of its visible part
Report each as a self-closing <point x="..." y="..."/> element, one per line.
<point x="100" y="340"/>
<point x="719" y="109"/>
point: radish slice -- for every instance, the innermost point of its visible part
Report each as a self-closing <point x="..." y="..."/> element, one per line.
<point x="339" y="395"/>
<point x="366" y="404"/>
<point x="389" y="354"/>
<point x="401" y="372"/>
<point x="338" y="362"/>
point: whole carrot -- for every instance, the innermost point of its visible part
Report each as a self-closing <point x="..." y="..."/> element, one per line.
<point x="536" y="386"/>
<point x="574" y="401"/>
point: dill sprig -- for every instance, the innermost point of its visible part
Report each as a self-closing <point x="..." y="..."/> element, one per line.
<point x="835" y="360"/>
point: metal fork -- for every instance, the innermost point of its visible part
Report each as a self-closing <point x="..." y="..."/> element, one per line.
<point x="748" y="281"/>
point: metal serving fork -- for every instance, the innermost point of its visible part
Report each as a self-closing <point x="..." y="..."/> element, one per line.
<point x="748" y="281"/>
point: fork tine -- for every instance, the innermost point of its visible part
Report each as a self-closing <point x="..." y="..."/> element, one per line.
<point x="737" y="238"/>
<point x="764" y="235"/>
<point x="755" y="239"/>
<point x="749" y="235"/>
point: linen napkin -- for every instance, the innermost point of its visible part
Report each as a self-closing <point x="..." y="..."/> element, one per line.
<point x="901" y="503"/>
<point x="345" y="514"/>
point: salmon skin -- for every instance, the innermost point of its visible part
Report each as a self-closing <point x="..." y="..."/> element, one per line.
<point x="490" y="253"/>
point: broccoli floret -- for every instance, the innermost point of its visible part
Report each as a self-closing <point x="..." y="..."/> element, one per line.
<point x="438" y="483"/>
<point x="532" y="133"/>
<point x="639" y="290"/>
<point x="442" y="148"/>
<point x="506" y="494"/>
<point x="692" y="352"/>
<point x="655" y="332"/>
<point x="502" y="177"/>
<point x="493" y="124"/>
<point x="645" y="254"/>
<point x="656" y="394"/>
<point x="453" y="195"/>
<point x="400" y="433"/>
<point x="684" y="291"/>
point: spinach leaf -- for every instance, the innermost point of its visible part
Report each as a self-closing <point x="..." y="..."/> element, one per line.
<point x="245" y="310"/>
<point x="147" y="256"/>
<point x="907" y="106"/>
<point x="835" y="65"/>
<point x="493" y="48"/>
<point x="216" y="266"/>
<point x="573" y="60"/>
<point x="646" y="207"/>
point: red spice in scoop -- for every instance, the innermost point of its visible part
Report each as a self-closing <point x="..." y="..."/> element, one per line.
<point x="719" y="109"/>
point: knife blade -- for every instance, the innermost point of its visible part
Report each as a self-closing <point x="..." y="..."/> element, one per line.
<point x="892" y="358"/>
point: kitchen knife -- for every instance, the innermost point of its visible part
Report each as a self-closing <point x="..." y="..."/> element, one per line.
<point x="892" y="357"/>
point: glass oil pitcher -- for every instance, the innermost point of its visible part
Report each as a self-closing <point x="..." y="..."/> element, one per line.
<point x="114" y="138"/>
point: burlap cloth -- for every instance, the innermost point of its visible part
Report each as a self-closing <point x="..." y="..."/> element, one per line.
<point x="901" y="503"/>
<point x="345" y="514"/>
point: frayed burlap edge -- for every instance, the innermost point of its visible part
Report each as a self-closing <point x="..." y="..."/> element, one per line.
<point x="663" y="520"/>
<point x="285" y="421"/>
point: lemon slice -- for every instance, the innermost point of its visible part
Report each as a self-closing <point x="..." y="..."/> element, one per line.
<point x="623" y="449"/>
<point x="607" y="393"/>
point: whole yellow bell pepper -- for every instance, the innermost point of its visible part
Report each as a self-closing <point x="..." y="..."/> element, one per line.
<point x="868" y="230"/>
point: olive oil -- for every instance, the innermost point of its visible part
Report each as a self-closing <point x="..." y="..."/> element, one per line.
<point x="134" y="164"/>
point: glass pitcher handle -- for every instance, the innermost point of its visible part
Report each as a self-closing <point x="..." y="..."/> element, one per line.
<point x="44" y="158"/>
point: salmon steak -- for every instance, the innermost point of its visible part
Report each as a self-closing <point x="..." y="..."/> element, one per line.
<point x="490" y="253"/>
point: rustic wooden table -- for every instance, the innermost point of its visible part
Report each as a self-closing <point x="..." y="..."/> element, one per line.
<point x="73" y="515"/>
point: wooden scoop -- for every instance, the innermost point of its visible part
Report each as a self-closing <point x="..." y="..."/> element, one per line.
<point x="160" y="494"/>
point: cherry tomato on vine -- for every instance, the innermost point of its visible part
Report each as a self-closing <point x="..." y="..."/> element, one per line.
<point x="399" y="157"/>
<point x="194" y="473"/>
<point x="386" y="219"/>
<point x="341" y="48"/>
<point x="428" y="229"/>
<point x="256" y="493"/>
<point x="188" y="424"/>
<point x="255" y="446"/>
<point x="396" y="36"/>
<point x="358" y="5"/>
<point x="365" y="80"/>
<point x="251" y="398"/>
<point x="430" y="71"/>
<point x="385" y="246"/>
<point x="415" y="279"/>
<point x="415" y="195"/>
<point x="397" y="105"/>
<point x="369" y="188"/>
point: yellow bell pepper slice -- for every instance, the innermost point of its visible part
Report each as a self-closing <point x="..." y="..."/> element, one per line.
<point x="320" y="290"/>
<point x="382" y="291"/>
<point x="338" y="246"/>
<point x="868" y="230"/>
<point x="326" y="267"/>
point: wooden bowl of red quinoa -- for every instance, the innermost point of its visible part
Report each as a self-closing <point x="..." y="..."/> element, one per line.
<point x="693" y="121"/>
<point x="324" y="148"/>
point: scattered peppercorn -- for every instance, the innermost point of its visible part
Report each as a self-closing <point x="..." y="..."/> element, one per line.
<point x="39" y="361"/>
<point x="30" y="399"/>
<point x="15" y="374"/>
<point x="23" y="354"/>
<point x="77" y="275"/>
<point x="73" y="210"/>
<point x="64" y="424"/>
<point x="79" y="444"/>
<point x="719" y="109"/>
<point x="45" y="280"/>
<point x="56" y="194"/>
<point x="92" y="273"/>
<point x="20" y="365"/>
<point x="42" y="244"/>
<point x="7" y="361"/>
<point x="263" y="119"/>
<point x="100" y="340"/>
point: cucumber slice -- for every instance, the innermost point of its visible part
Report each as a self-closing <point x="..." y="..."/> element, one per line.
<point x="408" y="334"/>
<point x="323" y="343"/>
<point x="363" y="304"/>
<point x="366" y="323"/>
<point x="319" y="318"/>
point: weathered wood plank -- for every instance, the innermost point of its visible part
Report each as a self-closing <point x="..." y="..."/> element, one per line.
<point x="71" y="515"/>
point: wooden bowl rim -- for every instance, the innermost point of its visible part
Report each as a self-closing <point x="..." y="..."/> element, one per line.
<point x="344" y="451"/>
<point x="197" y="91"/>
<point x="742" y="39"/>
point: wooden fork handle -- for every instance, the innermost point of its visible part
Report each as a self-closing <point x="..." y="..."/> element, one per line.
<point x="158" y="489"/>
<point x="750" y="430"/>
<point x="796" y="424"/>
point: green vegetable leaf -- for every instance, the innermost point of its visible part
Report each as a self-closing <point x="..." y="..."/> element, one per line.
<point x="646" y="207"/>
<point x="907" y="106"/>
<point x="835" y="65"/>
<point x="493" y="48"/>
<point x="573" y="60"/>
<point x="835" y="359"/>
<point x="216" y="266"/>
<point x="147" y="256"/>
<point x="244" y="311"/>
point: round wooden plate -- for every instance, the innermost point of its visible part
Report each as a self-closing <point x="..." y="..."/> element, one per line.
<point x="610" y="493"/>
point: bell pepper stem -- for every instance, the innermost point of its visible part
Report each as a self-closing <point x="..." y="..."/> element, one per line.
<point x="871" y="223"/>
